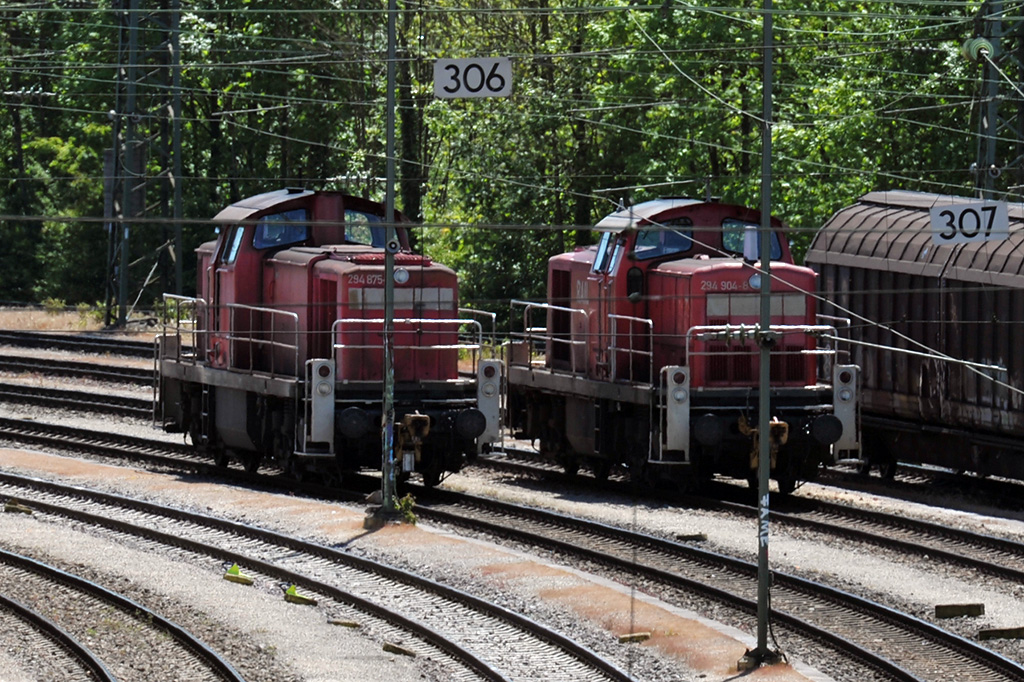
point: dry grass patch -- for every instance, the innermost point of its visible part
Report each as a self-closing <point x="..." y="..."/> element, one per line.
<point x="27" y="319"/>
<point x="85" y="319"/>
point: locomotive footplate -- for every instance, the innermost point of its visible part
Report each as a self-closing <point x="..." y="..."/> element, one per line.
<point x="254" y="382"/>
<point x="575" y="385"/>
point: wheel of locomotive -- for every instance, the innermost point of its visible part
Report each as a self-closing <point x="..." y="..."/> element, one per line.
<point x="601" y="468"/>
<point x="864" y="468"/>
<point x="251" y="462"/>
<point x="221" y="457"/>
<point x="787" y="484"/>
<point x="570" y="464"/>
<point x="887" y="469"/>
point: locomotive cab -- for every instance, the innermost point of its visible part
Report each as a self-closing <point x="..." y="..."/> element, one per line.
<point x="650" y="359"/>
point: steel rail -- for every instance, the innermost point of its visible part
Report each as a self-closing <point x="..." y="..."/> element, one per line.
<point x="62" y="638"/>
<point x="428" y="634"/>
<point x="209" y="657"/>
<point x="1005" y="667"/>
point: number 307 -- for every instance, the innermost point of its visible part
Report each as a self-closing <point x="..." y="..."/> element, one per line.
<point x="969" y="222"/>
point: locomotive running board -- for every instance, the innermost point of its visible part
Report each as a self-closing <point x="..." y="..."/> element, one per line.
<point x="578" y="386"/>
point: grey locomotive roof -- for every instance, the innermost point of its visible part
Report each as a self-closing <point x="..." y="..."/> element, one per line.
<point x="242" y="209"/>
<point x="634" y="215"/>
<point x="892" y="231"/>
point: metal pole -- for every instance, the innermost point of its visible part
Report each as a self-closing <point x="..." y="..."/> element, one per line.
<point x="388" y="477"/>
<point x="986" y="168"/>
<point x="128" y="167"/>
<point x="762" y="654"/>
<point x="175" y="41"/>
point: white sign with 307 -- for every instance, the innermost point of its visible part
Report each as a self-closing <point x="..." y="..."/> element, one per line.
<point x="473" y="77"/>
<point x="972" y="222"/>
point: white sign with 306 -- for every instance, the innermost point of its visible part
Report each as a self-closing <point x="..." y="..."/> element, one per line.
<point x="473" y="77"/>
<point x="971" y="222"/>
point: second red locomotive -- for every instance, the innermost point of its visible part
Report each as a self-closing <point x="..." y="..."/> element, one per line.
<point x="644" y="355"/>
<point x="280" y="356"/>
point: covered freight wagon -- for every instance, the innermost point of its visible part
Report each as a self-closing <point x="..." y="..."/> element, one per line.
<point x="938" y="330"/>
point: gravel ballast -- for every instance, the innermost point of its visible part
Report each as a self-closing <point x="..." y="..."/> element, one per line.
<point x="913" y="584"/>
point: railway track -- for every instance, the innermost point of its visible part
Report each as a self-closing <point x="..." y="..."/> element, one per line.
<point x="86" y="401"/>
<point x="876" y="635"/>
<point x="999" y="557"/>
<point x="835" y="617"/>
<point x="108" y="371"/>
<point x="985" y="554"/>
<point x="481" y="639"/>
<point x="55" y="653"/>
<point x="990" y="555"/>
<point x="70" y="604"/>
<point x="78" y="342"/>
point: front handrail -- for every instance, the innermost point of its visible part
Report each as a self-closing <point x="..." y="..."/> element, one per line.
<point x="745" y="335"/>
<point x="842" y="325"/>
<point x="456" y="324"/>
<point x="486" y="314"/>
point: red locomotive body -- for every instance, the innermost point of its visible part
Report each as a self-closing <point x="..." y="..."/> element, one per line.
<point x="286" y="361"/>
<point x="651" y="356"/>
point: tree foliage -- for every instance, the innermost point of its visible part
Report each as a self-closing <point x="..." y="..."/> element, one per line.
<point x="617" y="103"/>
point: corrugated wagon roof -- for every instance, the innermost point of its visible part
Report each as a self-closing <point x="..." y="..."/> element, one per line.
<point x="892" y="231"/>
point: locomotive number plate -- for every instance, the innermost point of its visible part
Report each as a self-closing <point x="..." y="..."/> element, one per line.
<point x="974" y="222"/>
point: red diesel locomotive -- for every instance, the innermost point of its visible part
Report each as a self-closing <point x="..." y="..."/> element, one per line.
<point x="651" y="361"/>
<point x="280" y="357"/>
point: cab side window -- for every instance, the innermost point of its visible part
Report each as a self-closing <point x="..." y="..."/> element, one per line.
<point x="604" y="253"/>
<point x="282" y="229"/>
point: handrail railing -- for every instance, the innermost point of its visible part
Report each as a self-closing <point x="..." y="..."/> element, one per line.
<point x="493" y="317"/>
<point x="492" y="344"/>
<point x="456" y="324"/>
<point x="839" y="323"/>
<point x="181" y="315"/>
<point x="744" y="336"/>
<point x="632" y="349"/>
<point x="531" y="335"/>
<point x="253" y="339"/>
<point x="254" y="348"/>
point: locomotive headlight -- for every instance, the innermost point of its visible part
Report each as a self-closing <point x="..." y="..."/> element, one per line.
<point x="680" y="395"/>
<point x="324" y="389"/>
<point x="755" y="281"/>
<point x="489" y="390"/>
<point x="845" y="394"/>
<point x="401" y="276"/>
